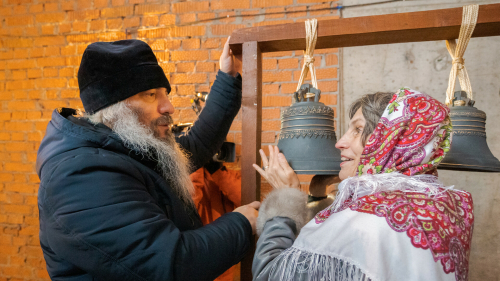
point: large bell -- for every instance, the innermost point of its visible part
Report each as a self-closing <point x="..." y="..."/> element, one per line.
<point x="469" y="150"/>
<point x="307" y="137"/>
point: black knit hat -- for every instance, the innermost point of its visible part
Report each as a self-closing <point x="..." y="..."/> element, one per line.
<point x="113" y="71"/>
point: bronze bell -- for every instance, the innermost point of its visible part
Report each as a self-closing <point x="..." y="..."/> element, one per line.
<point x="469" y="150"/>
<point x="307" y="136"/>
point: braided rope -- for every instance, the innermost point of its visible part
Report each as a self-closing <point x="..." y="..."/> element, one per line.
<point x="469" y="19"/>
<point x="311" y="37"/>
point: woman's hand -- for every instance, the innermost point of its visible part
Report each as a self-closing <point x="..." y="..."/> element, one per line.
<point x="226" y="62"/>
<point x="276" y="169"/>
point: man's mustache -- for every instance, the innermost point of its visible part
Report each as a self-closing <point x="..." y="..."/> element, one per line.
<point x="165" y="120"/>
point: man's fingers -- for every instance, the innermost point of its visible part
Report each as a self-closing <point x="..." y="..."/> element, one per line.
<point x="255" y="205"/>
<point x="271" y="156"/>
<point x="225" y="52"/>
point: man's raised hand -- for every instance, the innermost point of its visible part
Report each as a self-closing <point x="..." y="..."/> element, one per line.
<point x="226" y="62"/>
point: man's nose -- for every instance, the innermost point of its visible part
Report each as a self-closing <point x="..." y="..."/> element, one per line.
<point x="165" y="106"/>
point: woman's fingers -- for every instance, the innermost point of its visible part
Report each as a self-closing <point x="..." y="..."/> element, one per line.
<point x="263" y="156"/>
<point x="259" y="169"/>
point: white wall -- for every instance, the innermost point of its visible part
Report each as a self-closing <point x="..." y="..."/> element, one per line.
<point x="426" y="67"/>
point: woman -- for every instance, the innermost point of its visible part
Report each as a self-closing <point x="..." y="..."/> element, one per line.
<point x="391" y="219"/>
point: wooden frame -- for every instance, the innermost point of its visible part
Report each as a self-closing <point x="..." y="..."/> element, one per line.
<point x="249" y="43"/>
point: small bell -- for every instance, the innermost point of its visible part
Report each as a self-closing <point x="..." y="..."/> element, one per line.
<point x="469" y="150"/>
<point x="307" y="137"/>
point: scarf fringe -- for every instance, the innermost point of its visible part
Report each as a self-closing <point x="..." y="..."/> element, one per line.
<point x="297" y="264"/>
<point x="359" y="186"/>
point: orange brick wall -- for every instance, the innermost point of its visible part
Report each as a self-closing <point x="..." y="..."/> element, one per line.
<point x="40" y="50"/>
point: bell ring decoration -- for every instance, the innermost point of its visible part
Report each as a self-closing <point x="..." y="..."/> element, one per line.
<point x="307" y="137"/>
<point x="469" y="150"/>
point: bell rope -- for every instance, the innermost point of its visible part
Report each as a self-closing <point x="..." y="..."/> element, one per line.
<point x="469" y="19"/>
<point x="311" y="37"/>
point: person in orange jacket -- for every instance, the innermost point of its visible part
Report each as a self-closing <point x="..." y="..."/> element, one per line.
<point x="217" y="191"/>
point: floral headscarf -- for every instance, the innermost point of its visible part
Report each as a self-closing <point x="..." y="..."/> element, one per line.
<point x="411" y="137"/>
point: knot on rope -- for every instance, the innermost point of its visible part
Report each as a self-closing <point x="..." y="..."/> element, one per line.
<point x="459" y="61"/>
<point x="457" y="50"/>
<point x="308" y="59"/>
<point x="311" y="37"/>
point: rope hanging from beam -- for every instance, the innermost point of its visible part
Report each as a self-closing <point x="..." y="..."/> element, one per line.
<point x="311" y="37"/>
<point x="469" y="19"/>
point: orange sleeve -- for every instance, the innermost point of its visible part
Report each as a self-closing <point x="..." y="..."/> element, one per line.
<point x="198" y="179"/>
<point x="229" y="182"/>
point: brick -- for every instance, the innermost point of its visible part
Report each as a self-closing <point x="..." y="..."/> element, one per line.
<point x="288" y="88"/>
<point x="271" y="113"/>
<point x="328" y="86"/>
<point x="18" y="74"/>
<point x="114" y="23"/>
<point x="19" y="146"/>
<point x="50" y="72"/>
<point x="17" y="209"/>
<point x="185" y="90"/>
<point x="270" y="3"/>
<point x="9" y="250"/>
<point x="185" y="67"/>
<point x="270" y="101"/>
<point x="36" y="52"/>
<point x="33" y="115"/>
<point x="50" y="17"/>
<point x="329" y="99"/>
<point x="68" y="5"/>
<point x="230" y="4"/>
<point x="81" y="38"/>
<point x="188" y="7"/>
<point x="19" y="20"/>
<point x="21" y="53"/>
<point x="83" y="4"/>
<point x="68" y="93"/>
<point x="269" y="64"/>
<point x="272" y="125"/>
<point x="150" y="9"/>
<point x="278" y="54"/>
<point x="67" y="72"/>
<point x="321" y="73"/>
<point x="68" y="50"/>
<point x="278" y="76"/>
<point x="117" y="12"/>
<point x="17" y="43"/>
<point x="189" y="78"/>
<point x="274" y="22"/>
<point x="21" y="187"/>
<point x="132" y="22"/>
<point x="324" y="9"/>
<point x="205" y="67"/>
<point x="268" y="137"/>
<point x="288" y="63"/>
<point x="49" y="41"/>
<point x="215" y="54"/>
<point x="225" y="29"/>
<point x="189" y="55"/>
<point x="184" y="31"/>
<point x="19" y="126"/>
<point x="6" y="55"/>
<point x="111" y="36"/>
<point x="48" y="29"/>
<point x="15" y="31"/>
<point x="55" y="61"/>
<point x="187" y="18"/>
<point x="135" y="1"/>
<point x="296" y="12"/>
<point x="270" y="89"/>
<point x="98" y="25"/>
<point x="36" y="8"/>
<point x="51" y="7"/>
<point x="210" y="43"/>
<point x="52" y="51"/>
<point x="167" y="20"/>
<point x="34" y="73"/>
<point x="188" y="44"/>
<point x="275" y="13"/>
<point x="151" y="20"/>
<point x="5" y="11"/>
<point x="117" y="2"/>
<point x="100" y="3"/>
<point x="332" y="59"/>
<point x="51" y="105"/>
<point x="19" y="85"/>
<point x="80" y="26"/>
<point x="30" y="230"/>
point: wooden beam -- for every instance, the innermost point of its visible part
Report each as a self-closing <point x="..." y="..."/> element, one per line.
<point x="251" y="135"/>
<point x="371" y="30"/>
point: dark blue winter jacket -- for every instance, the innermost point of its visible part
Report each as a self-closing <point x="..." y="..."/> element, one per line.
<point x="107" y="214"/>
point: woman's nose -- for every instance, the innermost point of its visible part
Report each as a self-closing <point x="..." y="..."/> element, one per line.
<point x="343" y="142"/>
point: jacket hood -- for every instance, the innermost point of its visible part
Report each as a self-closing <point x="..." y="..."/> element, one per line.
<point x="66" y="132"/>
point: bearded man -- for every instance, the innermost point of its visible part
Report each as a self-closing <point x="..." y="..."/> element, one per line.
<point x="115" y="196"/>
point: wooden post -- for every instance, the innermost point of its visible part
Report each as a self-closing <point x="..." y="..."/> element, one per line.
<point x="251" y="135"/>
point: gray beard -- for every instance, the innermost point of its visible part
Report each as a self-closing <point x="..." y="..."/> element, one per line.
<point x="172" y="159"/>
